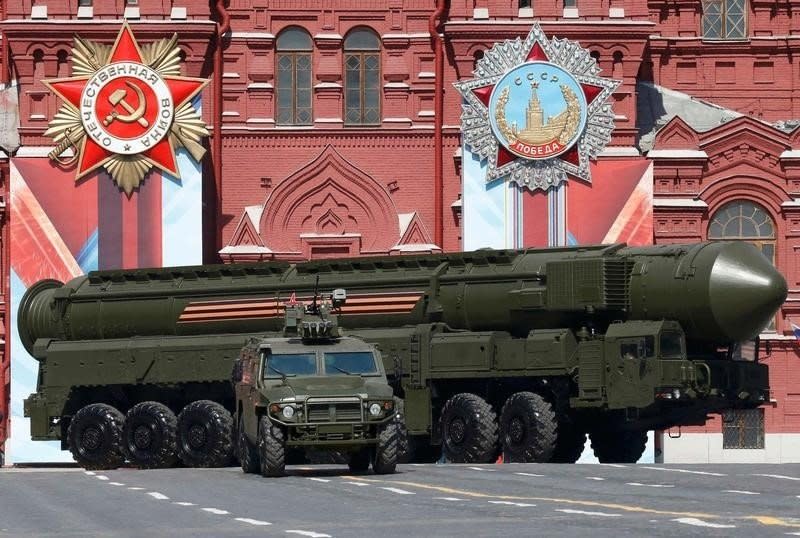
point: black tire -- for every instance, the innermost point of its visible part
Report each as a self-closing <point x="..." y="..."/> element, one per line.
<point x="386" y="453"/>
<point x="150" y="435"/>
<point x="248" y="453"/>
<point x="205" y="435"/>
<point x="271" y="449"/>
<point x="570" y="442"/>
<point x="614" y="446"/>
<point x="95" y="437"/>
<point x="403" y="442"/>
<point x="469" y="430"/>
<point x="359" y="461"/>
<point x="528" y="429"/>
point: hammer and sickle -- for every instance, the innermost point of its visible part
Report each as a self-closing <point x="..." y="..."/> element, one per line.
<point x="134" y="114"/>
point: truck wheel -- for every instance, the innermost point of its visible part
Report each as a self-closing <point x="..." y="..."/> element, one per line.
<point x="95" y="437"/>
<point x="271" y="449"/>
<point x="150" y="435"/>
<point x="205" y="434"/>
<point x="248" y="454"/>
<point x="614" y="446"/>
<point x="570" y="442"/>
<point x="403" y="443"/>
<point x="469" y="430"/>
<point x="385" y="460"/>
<point x="528" y="428"/>
<point x="359" y="461"/>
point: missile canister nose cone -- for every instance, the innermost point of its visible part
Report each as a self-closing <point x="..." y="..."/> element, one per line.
<point x="745" y="290"/>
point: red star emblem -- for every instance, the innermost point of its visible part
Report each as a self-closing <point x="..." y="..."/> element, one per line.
<point x="126" y="108"/>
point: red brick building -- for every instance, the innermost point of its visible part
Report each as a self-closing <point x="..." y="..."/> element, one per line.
<point x="338" y="132"/>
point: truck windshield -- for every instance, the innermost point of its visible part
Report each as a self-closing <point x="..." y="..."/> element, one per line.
<point x="350" y="363"/>
<point x="290" y="364"/>
<point x="671" y="345"/>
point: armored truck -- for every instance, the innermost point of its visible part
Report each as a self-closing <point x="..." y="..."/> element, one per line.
<point x="313" y="389"/>
<point x="520" y="351"/>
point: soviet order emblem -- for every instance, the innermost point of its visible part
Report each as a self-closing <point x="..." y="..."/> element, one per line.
<point x="536" y="111"/>
<point x="126" y="109"/>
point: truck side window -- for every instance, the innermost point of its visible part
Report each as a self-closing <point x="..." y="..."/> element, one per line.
<point x="671" y="345"/>
<point x="638" y="349"/>
<point x="629" y="350"/>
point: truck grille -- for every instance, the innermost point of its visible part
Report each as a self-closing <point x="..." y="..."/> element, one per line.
<point x="334" y="411"/>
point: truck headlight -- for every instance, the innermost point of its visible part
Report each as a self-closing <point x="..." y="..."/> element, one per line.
<point x="375" y="409"/>
<point x="288" y="411"/>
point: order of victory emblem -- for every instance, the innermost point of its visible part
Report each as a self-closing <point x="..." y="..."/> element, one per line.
<point x="126" y="109"/>
<point x="536" y="111"/>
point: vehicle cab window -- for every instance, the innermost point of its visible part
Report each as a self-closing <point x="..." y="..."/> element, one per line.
<point x="671" y="345"/>
<point x="277" y="365"/>
<point x="639" y="348"/>
<point x="350" y="363"/>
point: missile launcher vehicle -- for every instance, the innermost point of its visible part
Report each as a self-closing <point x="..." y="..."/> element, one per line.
<point x="313" y="388"/>
<point x="523" y="352"/>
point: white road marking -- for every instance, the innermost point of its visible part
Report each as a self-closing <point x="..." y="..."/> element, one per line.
<point x="740" y="491"/>
<point x="357" y="483"/>
<point x="101" y="477"/>
<point x="651" y="485"/>
<point x="452" y="499"/>
<point x="90" y="473"/>
<point x="781" y="476"/>
<point x="509" y="503"/>
<point x="256" y="522"/>
<point x="399" y="491"/>
<point x="135" y="489"/>
<point x="585" y="513"/>
<point x="310" y="534"/>
<point x="594" y="478"/>
<point x="319" y="479"/>
<point x="116" y="484"/>
<point x="482" y="469"/>
<point x="670" y="470"/>
<point x="530" y="474"/>
<point x="617" y="465"/>
<point x="216" y="511"/>
<point x="793" y="534"/>
<point x="183" y="503"/>
<point x="157" y="495"/>
<point x="700" y="523"/>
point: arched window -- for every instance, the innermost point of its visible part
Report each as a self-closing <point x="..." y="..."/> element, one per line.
<point x="293" y="77"/>
<point x="724" y="19"/>
<point x="362" y="72"/>
<point x="744" y="221"/>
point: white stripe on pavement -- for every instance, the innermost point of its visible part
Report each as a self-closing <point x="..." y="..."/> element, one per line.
<point x="670" y="470"/>
<point x="530" y="474"/>
<point x="135" y="488"/>
<point x="482" y="469"/>
<point x="743" y="492"/>
<point x="256" y="522"/>
<point x="310" y="534"/>
<point x="101" y="477"/>
<point x="585" y="513"/>
<point x="509" y="503"/>
<point x="183" y="503"/>
<point x="700" y="523"/>
<point x="399" y="491"/>
<point x="157" y="495"/>
<point x="594" y="478"/>
<point x="357" y="483"/>
<point x="452" y="499"/>
<point x="216" y="511"/>
<point x="781" y="476"/>
<point x="650" y="485"/>
<point x="116" y="484"/>
<point x="318" y="479"/>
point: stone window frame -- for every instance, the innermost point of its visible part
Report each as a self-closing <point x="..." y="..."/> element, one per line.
<point x="729" y="15"/>
<point x="294" y="57"/>
<point x="356" y="58"/>
<point x="743" y="429"/>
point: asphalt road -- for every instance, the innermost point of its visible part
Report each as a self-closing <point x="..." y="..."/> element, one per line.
<point x="420" y="500"/>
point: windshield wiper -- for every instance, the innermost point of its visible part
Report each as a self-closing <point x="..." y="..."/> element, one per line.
<point x="343" y="370"/>
<point x="283" y="375"/>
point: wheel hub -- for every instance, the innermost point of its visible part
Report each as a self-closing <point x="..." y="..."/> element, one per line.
<point x="457" y="430"/>
<point x="142" y="437"/>
<point x="197" y="436"/>
<point x="91" y="438"/>
<point x="516" y="430"/>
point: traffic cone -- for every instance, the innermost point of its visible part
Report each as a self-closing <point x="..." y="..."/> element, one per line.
<point x="499" y="458"/>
